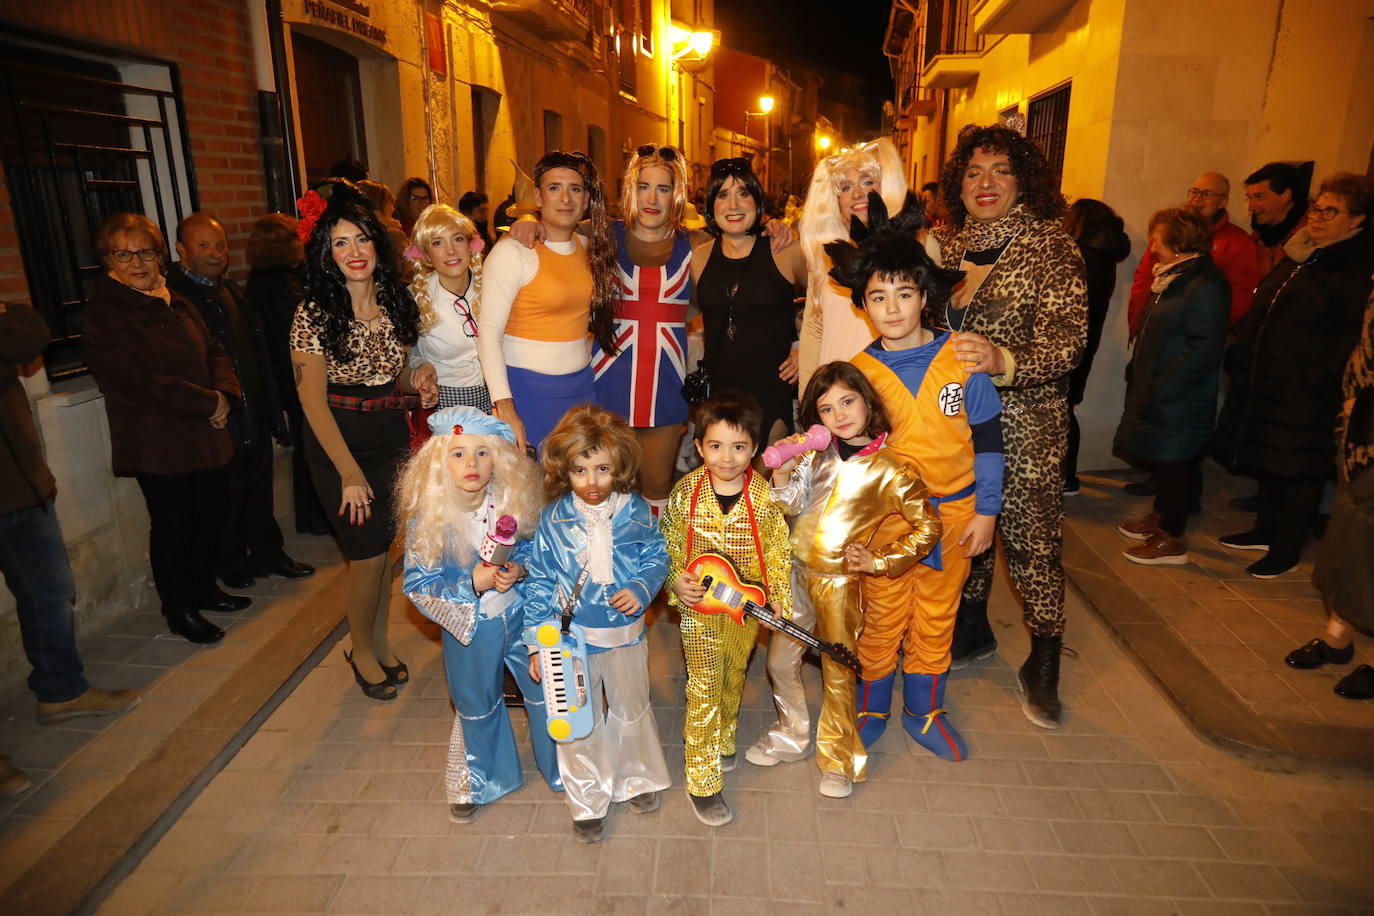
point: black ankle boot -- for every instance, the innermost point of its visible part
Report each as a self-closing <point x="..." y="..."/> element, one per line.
<point x="973" y="639"/>
<point x="1039" y="678"/>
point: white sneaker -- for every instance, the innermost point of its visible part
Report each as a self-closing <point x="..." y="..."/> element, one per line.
<point x="836" y="785"/>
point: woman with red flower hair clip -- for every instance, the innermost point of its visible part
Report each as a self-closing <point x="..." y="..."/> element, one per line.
<point x="349" y="342"/>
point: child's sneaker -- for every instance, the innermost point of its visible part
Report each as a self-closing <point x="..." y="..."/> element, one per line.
<point x="644" y="803"/>
<point x="462" y="813"/>
<point x="711" y="810"/>
<point x="836" y="785"/>
<point x="590" y="831"/>
<point x="728" y="762"/>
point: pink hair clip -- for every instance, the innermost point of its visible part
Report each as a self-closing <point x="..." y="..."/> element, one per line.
<point x="412" y="253"/>
<point x="477" y="243"/>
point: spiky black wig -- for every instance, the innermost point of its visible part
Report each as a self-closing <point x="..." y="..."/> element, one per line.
<point x="889" y="247"/>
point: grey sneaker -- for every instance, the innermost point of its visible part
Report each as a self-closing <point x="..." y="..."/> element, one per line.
<point x="462" y="814"/>
<point x="645" y="803"/>
<point x="728" y="762"/>
<point x="711" y="810"/>
<point x="591" y="831"/>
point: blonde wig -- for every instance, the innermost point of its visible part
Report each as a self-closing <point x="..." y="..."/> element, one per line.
<point x="427" y="502"/>
<point x="648" y="156"/>
<point x="583" y="429"/>
<point x="821" y="221"/>
<point x="434" y="221"/>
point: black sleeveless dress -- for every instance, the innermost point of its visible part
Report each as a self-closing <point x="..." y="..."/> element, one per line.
<point x="750" y="294"/>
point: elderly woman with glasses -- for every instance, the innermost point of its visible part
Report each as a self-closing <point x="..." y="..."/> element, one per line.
<point x="541" y="304"/>
<point x="1279" y="419"/>
<point x="168" y="387"/>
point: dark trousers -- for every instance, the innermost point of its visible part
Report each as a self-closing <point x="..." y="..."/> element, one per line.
<point x="1287" y="508"/>
<point x="309" y="514"/>
<point x="1178" y="488"/>
<point x="1071" y="454"/>
<point x="33" y="558"/>
<point x="186" y="512"/>
<point x="252" y="539"/>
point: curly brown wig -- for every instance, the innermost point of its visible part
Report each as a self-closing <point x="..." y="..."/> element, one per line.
<point x="1036" y="185"/>
<point x="584" y="429"/>
<point x="601" y="250"/>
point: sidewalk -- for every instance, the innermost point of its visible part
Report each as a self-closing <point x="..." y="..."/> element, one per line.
<point x="1213" y="637"/>
<point x="99" y="783"/>
<point x="336" y="805"/>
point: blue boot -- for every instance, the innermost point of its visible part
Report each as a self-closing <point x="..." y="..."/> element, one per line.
<point x="923" y="715"/>
<point x="875" y="702"/>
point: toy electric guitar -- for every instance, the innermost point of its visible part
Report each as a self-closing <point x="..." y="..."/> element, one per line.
<point x="726" y="593"/>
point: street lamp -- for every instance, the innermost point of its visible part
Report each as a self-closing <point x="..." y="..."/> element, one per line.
<point x="766" y="103"/>
<point x="823" y="142"/>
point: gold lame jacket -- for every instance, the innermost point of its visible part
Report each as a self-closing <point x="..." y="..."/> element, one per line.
<point x="728" y="535"/>
<point x="837" y="503"/>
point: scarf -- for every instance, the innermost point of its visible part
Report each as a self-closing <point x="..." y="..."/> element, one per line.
<point x="1274" y="235"/>
<point x="600" y="537"/>
<point x="1300" y="247"/>
<point x="1168" y="273"/>
<point x="980" y="237"/>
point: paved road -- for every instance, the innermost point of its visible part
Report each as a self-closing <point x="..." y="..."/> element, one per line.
<point x="336" y="805"/>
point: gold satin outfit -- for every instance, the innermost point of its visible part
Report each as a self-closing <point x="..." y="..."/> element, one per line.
<point x="717" y="648"/>
<point x="837" y="503"/>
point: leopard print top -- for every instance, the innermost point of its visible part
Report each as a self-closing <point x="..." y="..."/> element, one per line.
<point x="1034" y="301"/>
<point x="1359" y="377"/>
<point x="378" y="357"/>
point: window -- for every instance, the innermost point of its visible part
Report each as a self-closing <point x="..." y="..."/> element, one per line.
<point x="1047" y="123"/>
<point x="485" y="106"/>
<point x="628" y="65"/>
<point x="596" y="148"/>
<point x="84" y="134"/>
<point x="646" y="26"/>
<point x="553" y="130"/>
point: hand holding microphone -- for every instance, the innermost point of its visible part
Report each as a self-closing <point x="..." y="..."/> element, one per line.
<point x="817" y="438"/>
<point x="497" y="545"/>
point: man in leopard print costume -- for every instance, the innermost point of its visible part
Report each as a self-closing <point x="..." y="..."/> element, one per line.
<point x="1022" y="315"/>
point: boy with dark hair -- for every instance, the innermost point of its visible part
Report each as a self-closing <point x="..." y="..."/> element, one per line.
<point x="724" y="508"/>
<point x="946" y="424"/>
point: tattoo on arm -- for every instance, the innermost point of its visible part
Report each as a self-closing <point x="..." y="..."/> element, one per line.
<point x="299" y="370"/>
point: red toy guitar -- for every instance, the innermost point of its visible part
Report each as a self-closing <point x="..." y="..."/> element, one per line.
<point x="726" y="593"/>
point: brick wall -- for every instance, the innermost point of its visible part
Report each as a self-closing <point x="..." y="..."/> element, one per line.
<point x="210" y="43"/>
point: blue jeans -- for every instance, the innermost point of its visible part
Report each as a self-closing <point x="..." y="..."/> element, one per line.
<point x="34" y="561"/>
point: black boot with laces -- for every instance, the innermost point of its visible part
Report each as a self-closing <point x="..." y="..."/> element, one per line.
<point x="973" y="639"/>
<point x="1039" y="678"/>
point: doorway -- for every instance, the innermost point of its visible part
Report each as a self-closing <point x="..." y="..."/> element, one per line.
<point x="329" y="104"/>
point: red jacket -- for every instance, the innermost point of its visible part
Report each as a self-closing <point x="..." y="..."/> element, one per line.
<point x="1232" y="250"/>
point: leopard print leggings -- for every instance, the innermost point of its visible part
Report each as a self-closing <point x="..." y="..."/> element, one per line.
<point x="1031" y="526"/>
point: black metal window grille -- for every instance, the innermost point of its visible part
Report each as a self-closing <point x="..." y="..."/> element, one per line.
<point x="948" y="30"/>
<point x="1047" y="123"/>
<point x="85" y="134"/>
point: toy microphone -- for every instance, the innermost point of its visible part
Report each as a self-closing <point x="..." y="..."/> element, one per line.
<point x="497" y="545"/>
<point x="817" y="438"/>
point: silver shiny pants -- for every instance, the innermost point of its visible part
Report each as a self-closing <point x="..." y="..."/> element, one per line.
<point x="789" y="738"/>
<point x="622" y="757"/>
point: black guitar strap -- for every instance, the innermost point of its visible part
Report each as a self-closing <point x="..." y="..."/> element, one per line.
<point x="572" y="601"/>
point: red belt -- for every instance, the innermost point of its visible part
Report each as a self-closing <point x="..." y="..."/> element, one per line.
<point x="389" y="402"/>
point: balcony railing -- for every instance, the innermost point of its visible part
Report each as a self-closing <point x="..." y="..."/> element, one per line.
<point x="948" y="30"/>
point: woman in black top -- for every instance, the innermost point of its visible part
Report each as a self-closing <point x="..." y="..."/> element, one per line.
<point x="745" y="293"/>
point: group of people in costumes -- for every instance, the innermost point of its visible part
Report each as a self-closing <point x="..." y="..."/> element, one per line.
<point x="577" y="351"/>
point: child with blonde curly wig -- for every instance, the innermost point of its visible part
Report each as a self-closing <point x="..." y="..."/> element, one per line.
<point x="445" y="256"/>
<point x="598" y="549"/>
<point x="462" y="489"/>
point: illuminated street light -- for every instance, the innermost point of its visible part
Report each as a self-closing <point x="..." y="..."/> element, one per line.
<point x="766" y="103"/>
<point x="823" y="141"/>
<point x="685" y="42"/>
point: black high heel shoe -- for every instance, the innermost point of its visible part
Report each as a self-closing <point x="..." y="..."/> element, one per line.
<point x="398" y="673"/>
<point x="383" y="690"/>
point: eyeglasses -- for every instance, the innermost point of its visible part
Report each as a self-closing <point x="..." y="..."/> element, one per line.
<point x="1199" y="192"/>
<point x="1323" y="213"/>
<point x="666" y="153"/>
<point x="736" y="166"/>
<point x="460" y="305"/>
<point x="418" y="196"/>
<point x="124" y="255"/>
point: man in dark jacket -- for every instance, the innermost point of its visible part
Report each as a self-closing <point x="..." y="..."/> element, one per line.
<point x="33" y="555"/>
<point x="252" y="544"/>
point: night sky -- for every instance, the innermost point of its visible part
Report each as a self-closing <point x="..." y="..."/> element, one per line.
<point x="844" y="36"/>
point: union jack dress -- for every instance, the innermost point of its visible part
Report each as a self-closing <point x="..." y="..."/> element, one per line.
<point x="642" y="382"/>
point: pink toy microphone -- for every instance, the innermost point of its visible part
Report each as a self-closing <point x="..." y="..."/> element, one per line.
<point x="817" y="438"/>
<point x="497" y="545"/>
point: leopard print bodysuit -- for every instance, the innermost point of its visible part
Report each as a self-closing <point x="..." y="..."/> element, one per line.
<point x="1033" y="303"/>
